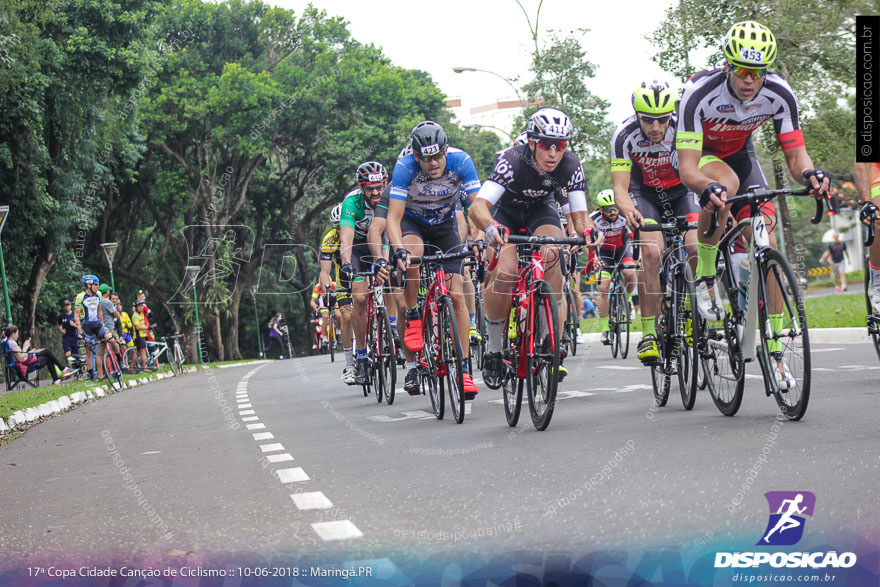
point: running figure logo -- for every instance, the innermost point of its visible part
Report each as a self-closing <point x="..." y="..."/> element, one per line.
<point x="786" y="525"/>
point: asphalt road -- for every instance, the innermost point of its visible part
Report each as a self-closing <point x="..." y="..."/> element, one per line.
<point x="279" y="462"/>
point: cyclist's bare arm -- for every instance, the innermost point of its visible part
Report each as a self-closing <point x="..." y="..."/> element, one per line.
<point x="862" y="179"/>
<point x="374" y="236"/>
<point x="480" y="213"/>
<point x="799" y="161"/>
<point x="346" y="239"/>
<point x="392" y="227"/>
<point x="324" y="275"/>
<point x="620" y="181"/>
<point x="691" y="175"/>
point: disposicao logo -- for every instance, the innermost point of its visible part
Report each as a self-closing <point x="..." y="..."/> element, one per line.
<point x="786" y="528"/>
<point x="786" y="524"/>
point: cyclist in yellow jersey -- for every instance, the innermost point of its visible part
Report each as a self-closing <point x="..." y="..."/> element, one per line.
<point x="867" y="180"/>
<point x="330" y="264"/>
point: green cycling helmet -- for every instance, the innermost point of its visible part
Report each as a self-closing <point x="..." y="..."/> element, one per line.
<point x="749" y="44"/>
<point x="605" y="198"/>
<point x="653" y="97"/>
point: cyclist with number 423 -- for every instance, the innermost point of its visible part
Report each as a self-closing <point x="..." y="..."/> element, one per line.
<point x="519" y="194"/>
<point x="719" y="110"/>
<point x="425" y="188"/>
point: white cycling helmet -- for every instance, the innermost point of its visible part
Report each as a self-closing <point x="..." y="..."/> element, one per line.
<point x="336" y="213"/>
<point x="550" y="123"/>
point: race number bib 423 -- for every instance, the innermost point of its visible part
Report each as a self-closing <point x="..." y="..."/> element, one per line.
<point x="430" y="150"/>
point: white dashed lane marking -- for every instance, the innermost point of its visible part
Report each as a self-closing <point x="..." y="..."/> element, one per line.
<point x="313" y="500"/>
<point x="338" y="530"/>
<point x="280" y="458"/>
<point x="309" y="500"/>
<point x="292" y="475"/>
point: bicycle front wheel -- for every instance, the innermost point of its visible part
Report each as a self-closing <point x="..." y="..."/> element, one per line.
<point x="112" y="372"/>
<point x="873" y="318"/>
<point x="173" y="362"/>
<point x="452" y="355"/>
<point x="332" y="339"/>
<point x="613" y="324"/>
<point x="387" y="356"/>
<point x="571" y="321"/>
<point x="542" y="361"/>
<point x="785" y="340"/>
<point x="478" y="347"/>
<point x="660" y="377"/>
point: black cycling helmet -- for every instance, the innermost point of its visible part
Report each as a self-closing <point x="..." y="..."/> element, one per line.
<point x="371" y="172"/>
<point x="428" y="138"/>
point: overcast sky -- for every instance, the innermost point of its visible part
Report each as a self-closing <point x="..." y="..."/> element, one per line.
<point x="494" y="35"/>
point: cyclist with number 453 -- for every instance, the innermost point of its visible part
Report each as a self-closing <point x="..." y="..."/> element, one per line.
<point x="719" y="110"/>
<point x="519" y="194"/>
<point x="425" y="188"/>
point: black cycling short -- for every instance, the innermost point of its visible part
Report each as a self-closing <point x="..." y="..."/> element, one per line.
<point x="361" y="258"/>
<point x="619" y="256"/>
<point x="140" y="343"/>
<point x="745" y="164"/>
<point x="528" y="219"/>
<point x="666" y="205"/>
<point x="442" y="238"/>
<point x="94" y="329"/>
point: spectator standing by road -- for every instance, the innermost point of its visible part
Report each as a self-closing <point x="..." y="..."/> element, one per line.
<point x="139" y="320"/>
<point x="110" y="316"/>
<point x="67" y="326"/>
<point x="275" y="337"/>
<point x="834" y="255"/>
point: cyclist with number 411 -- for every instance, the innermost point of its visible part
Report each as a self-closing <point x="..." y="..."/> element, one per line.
<point x="425" y="188"/>
<point x="519" y="195"/>
<point x="719" y="110"/>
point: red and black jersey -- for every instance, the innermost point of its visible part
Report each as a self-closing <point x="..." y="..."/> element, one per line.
<point x="654" y="161"/>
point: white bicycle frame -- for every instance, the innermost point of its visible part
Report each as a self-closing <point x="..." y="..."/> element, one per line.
<point x="748" y="330"/>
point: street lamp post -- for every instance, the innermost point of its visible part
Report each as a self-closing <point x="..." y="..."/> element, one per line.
<point x="110" y="252"/>
<point x="257" y="319"/>
<point x="192" y="271"/>
<point x="522" y="103"/>
<point x="4" y="212"/>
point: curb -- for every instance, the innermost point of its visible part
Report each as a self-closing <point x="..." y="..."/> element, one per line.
<point x="22" y="419"/>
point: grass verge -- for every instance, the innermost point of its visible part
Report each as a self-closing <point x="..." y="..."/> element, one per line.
<point x="31" y="398"/>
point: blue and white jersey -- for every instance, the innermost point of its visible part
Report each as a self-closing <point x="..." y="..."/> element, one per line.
<point x="433" y="201"/>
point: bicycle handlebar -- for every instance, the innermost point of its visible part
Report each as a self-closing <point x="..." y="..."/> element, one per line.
<point x="765" y="195"/>
<point x="439" y="258"/>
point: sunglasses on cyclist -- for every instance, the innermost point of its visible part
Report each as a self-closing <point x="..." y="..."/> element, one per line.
<point x="742" y="72"/>
<point x="609" y="209"/>
<point x="649" y="120"/>
<point x="547" y="144"/>
<point x="436" y="157"/>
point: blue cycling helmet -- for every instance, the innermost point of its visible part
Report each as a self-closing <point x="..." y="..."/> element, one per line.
<point x="87" y="279"/>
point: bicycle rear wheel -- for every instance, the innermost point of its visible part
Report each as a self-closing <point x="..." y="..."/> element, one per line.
<point x="722" y="360"/>
<point x="785" y="341"/>
<point x="872" y="317"/>
<point x="172" y="361"/>
<point x="688" y="331"/>
<point x="613" y="324"/>
<point x="131" y="359"/>
<point x="452" y="356"/>
<point x="623" y="320"/>
<point x="660" y="376"/>
<point x="428" y="379"/>
<point x="542" y="361"/>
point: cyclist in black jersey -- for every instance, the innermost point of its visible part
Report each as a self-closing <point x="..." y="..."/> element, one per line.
<point x="519" y="194"/>
<point x="647" y="190"/>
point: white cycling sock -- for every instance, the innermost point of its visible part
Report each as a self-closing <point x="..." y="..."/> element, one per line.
<point x="411" y="365"/>
<point x="496" y="335"/>
<point x="349" y="356"/>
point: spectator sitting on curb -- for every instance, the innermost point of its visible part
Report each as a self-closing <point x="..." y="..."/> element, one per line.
<point x="25" y="356"/>
<point x="67" y="326"/>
